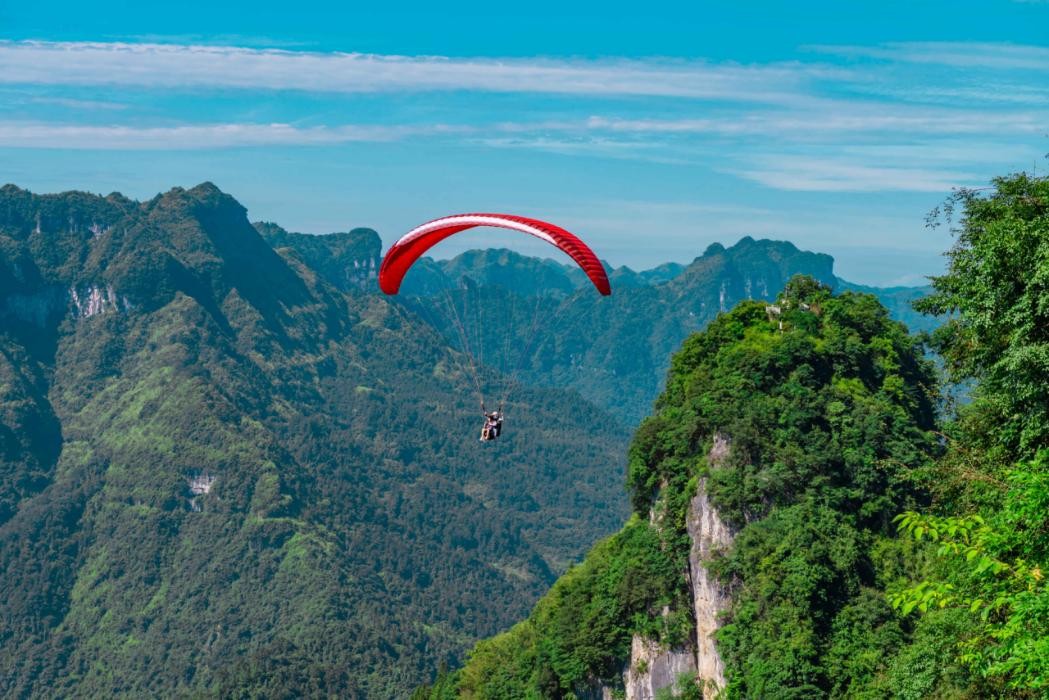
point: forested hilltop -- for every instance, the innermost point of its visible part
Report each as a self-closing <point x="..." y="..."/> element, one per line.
<point x="812" y="518"/>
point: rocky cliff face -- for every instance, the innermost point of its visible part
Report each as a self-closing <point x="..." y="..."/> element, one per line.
<point x="654" y="667"/>
<point x="710" y="536"/>
<point x="348" y="260"/>
<point x="94" y="299"/>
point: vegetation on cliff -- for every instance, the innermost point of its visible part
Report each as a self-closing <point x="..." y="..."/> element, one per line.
<point x="829" y="409"/>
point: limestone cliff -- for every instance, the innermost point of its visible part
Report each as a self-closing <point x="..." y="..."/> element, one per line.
<point x="653" y="667"/>
<point x="710" y="536"/>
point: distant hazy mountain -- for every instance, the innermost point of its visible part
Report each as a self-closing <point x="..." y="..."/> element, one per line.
<point x="616" y="351"/>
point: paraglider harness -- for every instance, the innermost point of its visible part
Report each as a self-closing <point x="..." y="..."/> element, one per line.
<point x="493" y="424"/>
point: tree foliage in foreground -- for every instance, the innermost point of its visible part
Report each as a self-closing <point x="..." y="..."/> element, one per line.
<point x="989" y="527"/>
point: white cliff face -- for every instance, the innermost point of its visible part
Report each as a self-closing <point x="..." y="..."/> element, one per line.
<point x="710" y="536"/>
<point x="654" y="667"/>
<point x="94" y="300"/>
<point x="362" y="274"/>
<point x="199" y="485"/>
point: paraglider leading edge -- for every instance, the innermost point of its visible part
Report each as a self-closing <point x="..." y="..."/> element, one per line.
<point x="412" y="245"/>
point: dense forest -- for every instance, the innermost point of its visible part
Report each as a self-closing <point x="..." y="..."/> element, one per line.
<point x="880" y="539"/>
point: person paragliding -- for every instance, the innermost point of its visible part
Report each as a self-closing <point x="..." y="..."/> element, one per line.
<point x="412" y="245"/>
<point x="493" y="425"/>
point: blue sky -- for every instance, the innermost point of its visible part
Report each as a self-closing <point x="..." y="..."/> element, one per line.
<point x="651" y="130"/>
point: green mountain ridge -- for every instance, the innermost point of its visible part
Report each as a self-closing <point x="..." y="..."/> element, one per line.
<point x="347" y="535"/>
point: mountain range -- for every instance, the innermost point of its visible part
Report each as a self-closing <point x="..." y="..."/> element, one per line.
<point x="615" y="352"/>
<point x="230" y="466"/>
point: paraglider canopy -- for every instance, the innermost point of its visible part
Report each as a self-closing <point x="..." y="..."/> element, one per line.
<point x="411" y="246"/>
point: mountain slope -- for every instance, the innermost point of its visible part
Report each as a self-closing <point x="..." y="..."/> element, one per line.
<point x="226" y="475"/>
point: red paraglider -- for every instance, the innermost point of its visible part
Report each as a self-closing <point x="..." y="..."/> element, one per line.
<point x="411" y="246"/>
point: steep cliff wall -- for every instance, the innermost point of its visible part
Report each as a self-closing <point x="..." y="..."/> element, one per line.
<point x="654" y="666"/>
<point x="710" y="536"/>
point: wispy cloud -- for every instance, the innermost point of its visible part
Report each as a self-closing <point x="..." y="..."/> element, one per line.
<point x="884" y="124"/>
<point x="188" y="137"/>
<point x="816" y="174"/>
<point x="200" y="66"/>
<point x="582" y="144"/>
<point x="957" y="54"/>
<point x="839" y="116"/>
<point x="78" y="104"/>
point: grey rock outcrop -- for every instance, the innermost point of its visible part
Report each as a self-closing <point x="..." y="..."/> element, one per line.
<point x="710" y="536"/>
<point x="652" y="666"/>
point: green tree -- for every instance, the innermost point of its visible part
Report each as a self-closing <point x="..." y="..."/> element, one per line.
<point x="989" y="527"/>
<point x="996" y="293"/>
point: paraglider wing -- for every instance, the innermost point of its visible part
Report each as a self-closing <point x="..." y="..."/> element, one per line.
<point x="411" y="246"/>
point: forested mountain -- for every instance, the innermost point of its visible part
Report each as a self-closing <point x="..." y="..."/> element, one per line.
<point x="348" y="260"/>
<point x="222" y="474"/>
<point x="812" y="516"/>
<point x="788" y="438"/>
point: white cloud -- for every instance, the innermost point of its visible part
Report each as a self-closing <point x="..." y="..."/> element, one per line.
<point x="786" y="126"/>
<point x="839" y="117"/>
<point x="78" y="104"/>
<point x="44" y="135"/>
<point x="594" y="146"/>
<point x="816" y="174"/>
<point x="198" y="66"/>
<point x="982" y="55"/>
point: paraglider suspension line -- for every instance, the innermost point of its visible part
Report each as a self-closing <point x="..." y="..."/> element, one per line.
<point x="533" y="335"/>
<point x="464" y="339"/>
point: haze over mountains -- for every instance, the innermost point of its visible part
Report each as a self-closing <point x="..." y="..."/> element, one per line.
<point x="228" y="462"/>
